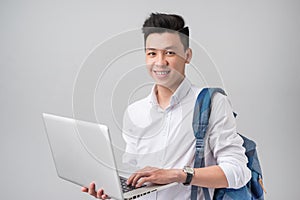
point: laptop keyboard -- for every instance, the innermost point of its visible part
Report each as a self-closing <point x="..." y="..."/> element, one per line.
<point x="125" y="187"/>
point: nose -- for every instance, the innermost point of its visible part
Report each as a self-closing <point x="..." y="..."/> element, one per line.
<point x="161" y="60"/>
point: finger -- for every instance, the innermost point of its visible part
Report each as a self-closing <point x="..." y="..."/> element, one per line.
<point x="92" y="190"/>
<point x="135" y="179"/>
<point x="130" y="179"/>
<point x="138" y="177"/>
<point x="146" y="171"/>
<point x="84" y="189"/>
<point x="142" y="181"/>
<point x="100" y="193"/>
<point x="92" y="186"/>
<point x="104" y="196"/>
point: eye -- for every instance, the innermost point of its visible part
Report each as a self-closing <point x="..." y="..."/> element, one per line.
<point x="151" y="53"/>
<point x="170" y="53"/>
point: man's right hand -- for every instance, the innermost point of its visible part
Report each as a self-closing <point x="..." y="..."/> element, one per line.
<point x="92" y="191"/>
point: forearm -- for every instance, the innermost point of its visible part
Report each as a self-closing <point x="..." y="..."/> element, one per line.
<point x="210" y="177"/>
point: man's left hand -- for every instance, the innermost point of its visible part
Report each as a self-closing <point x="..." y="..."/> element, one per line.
<point x="156" y="176"/>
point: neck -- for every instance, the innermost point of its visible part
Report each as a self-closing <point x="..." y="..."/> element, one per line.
<point x="164" y="95"/>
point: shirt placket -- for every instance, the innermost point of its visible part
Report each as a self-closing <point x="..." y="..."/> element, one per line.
<point x="165" y="134"/>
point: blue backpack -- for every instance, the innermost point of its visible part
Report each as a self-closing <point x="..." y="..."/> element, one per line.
<point x="254" y="189"/>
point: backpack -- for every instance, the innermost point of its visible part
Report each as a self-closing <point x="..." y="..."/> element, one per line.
<point x="253" y="190"/>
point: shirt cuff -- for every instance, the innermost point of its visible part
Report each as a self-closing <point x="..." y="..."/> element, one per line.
<point x="237" y="176"/>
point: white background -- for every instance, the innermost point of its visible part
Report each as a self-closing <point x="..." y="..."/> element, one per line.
<point x="255" y="45"/>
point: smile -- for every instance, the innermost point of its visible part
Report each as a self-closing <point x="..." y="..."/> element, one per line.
<point x="161" y="72"/>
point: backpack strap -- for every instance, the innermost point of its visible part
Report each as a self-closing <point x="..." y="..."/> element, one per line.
<point x="200" y="123"/>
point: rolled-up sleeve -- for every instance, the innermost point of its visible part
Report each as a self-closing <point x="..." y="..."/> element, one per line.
<point x="225" y="144"/>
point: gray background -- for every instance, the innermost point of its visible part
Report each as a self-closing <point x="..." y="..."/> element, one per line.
<point x="255" y="45"/>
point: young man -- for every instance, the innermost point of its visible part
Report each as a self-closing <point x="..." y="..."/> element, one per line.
<point x="158" y="129"/>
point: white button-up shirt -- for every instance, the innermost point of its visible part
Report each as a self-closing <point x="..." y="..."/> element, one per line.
<point x="165" y="138"/>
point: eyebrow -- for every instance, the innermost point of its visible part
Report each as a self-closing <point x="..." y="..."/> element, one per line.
<point x="150" y="49"/>
<point x="166" y="48"/>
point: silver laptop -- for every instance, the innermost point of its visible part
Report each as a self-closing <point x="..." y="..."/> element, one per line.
<point x="82" y="153"/>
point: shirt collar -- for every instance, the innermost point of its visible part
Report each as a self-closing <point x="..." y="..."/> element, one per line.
<point x="178" y="95"/>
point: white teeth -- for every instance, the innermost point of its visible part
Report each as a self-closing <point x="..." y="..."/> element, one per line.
<point x="162" y="72"/>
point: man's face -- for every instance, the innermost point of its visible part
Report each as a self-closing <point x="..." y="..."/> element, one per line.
<point x="166" y="59"/>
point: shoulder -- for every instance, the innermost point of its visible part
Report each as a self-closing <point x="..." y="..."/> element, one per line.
<point x="216" y="99"/>
<point x="222" y="112"/>
<point x="220" y="100"/>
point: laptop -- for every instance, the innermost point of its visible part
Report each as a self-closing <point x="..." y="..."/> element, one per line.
<point x="82" y="153"/>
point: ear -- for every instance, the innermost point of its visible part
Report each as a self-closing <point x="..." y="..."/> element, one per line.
<point x="188" y="55"/>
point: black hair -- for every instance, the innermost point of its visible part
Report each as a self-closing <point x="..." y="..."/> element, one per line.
<point x="161" y="22"/>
